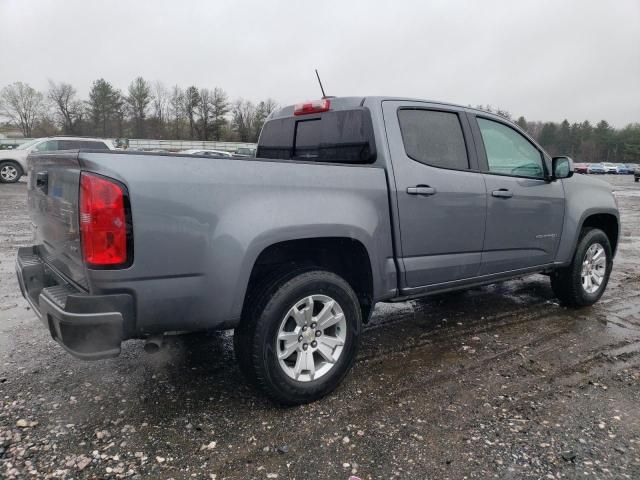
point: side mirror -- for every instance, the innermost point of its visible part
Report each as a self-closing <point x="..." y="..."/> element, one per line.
<point x="562" y="167"/>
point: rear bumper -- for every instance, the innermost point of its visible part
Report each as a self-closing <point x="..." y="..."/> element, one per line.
<point x="89" y="327"/>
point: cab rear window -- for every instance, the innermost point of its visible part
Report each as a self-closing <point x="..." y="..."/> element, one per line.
<point x="342" y="136"/>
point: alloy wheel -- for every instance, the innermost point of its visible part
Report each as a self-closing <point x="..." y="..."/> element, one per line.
<point x="594" y="267"/>
<point x="311" y="338"/>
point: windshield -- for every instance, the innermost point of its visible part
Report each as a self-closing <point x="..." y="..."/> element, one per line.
<point x="26" y="145"/>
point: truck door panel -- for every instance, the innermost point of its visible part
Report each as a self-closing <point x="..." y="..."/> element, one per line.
<point x="441" y="199"/>
<point x="525" y="211"/>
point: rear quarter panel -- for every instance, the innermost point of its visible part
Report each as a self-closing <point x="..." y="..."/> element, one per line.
<point x="200" y="224"/>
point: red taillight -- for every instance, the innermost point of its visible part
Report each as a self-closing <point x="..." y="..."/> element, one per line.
<point x="103" y="225"/>
<point x="314" y="106"/>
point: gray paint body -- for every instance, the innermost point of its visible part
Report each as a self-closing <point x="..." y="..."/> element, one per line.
<point x="199" y="224"/>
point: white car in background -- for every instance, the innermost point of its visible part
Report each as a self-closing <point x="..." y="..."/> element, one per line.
<point x="211" y="153"/>
<point x="610" y="167"/>
<point x="13" y="163"/>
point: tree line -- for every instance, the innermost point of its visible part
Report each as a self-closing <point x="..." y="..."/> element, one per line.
<point x="145" y="110"/>
<point x="582" y="141"/>
<point x="151" y="110"/>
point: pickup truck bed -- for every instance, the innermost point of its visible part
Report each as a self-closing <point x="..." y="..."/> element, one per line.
<point x="353" y="201"/>
<point x="196" y="240"/>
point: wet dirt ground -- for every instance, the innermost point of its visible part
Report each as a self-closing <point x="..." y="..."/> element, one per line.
<point x="495" y="382"/>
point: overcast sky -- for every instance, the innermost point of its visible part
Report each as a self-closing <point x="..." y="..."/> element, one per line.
<point x="546" y="60"/>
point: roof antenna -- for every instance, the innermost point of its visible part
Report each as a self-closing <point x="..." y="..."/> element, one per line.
<point x="320" y="82"/>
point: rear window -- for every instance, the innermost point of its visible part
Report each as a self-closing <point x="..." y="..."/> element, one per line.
<point x="93" y="145"/>
<point x="343" y="136"/>
<point x="68" y="144"/>
<point x="78" y="144"/>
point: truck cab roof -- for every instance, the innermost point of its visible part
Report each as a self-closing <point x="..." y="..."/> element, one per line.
<point x="348" y="103"/>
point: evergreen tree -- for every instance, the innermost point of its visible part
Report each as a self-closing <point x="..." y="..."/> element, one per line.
<point x="219" y="108"/>
<point x="603" y="134"/>
<point x="564" y="139"/>
<point x="548" y="137"/>
<point x="105" y="107"/>
<point x="138" y="102"/>
<point x="522" y="123"/>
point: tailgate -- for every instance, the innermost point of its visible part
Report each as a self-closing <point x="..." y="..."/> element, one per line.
<point x="53" y="196"/>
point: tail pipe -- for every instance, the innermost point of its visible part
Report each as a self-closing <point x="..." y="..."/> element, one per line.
<point x="154" y="343"/>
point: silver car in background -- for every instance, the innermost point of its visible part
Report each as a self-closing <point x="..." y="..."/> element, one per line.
<point x="13" y="163"/>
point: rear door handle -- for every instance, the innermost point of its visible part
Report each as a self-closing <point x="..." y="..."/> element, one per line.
<point x="421" y="190"/>
<point x="502" y="193"/>
<point x="42" y="181"/>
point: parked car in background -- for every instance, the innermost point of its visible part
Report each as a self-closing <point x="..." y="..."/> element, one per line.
<point x="245" y="152"/>
<point x="596" y="168"/>
<point x="205" y="152"/>
<point x="636" y="172"/>
<point x="624" y="169"/>
<point x="13" y="163"/>
<point x="351" y="201"/>
<point x="580" y="168"/>
<point x="631" y="167"/>
<point x="610" y="167"/>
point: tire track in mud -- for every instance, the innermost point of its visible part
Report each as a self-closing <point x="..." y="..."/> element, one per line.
<point x="447" y="334"/>
<point x="602" y="359"/>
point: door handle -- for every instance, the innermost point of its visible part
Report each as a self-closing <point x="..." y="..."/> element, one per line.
<point x="42" y="181"/>
<point x="425" y="190"/>
<point x="502" y="193"/>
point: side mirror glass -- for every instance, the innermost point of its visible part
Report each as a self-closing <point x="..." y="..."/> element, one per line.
<point x="562" y="167"/>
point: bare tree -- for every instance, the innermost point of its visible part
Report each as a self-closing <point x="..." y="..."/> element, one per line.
<point x="204" y="112"/>
<point x="46" y="125"/>
<point x="22" y="104"/>
<point x="497" y="111"/>
<point x="262" y="112"/>
<point x="243" y="114"/>
<point x="158" y="123"/>
<point x="177" y="110"/>
<point x="68" y="109"/>
<point x="160" y="102"/>
<point x="191" y="101"/>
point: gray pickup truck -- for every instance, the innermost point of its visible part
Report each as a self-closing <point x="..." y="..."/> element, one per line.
<point x="349" y="202"/>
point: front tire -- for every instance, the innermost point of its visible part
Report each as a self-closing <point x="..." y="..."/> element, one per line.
<point x="299" y="335"/>
<point x="584" y="281"/>
<point x="10" y="171"/>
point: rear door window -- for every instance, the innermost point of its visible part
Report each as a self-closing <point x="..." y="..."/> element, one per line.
<point x="434" y="138"/>
<point x="48" y="146"/>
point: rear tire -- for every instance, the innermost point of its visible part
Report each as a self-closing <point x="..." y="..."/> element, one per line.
<point x="584" y="281"/>
<point x="299" y="335"/>
<point x="10" y="171"/>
